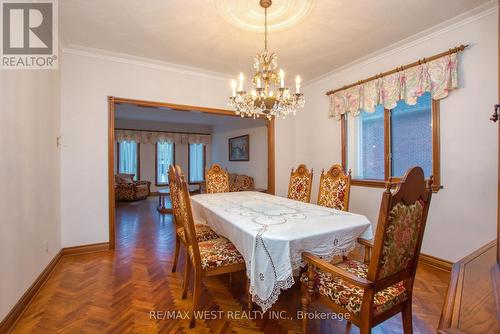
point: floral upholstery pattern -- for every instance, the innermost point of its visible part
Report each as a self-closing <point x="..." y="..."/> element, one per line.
<point x="218" y="253"/>
<point x="402" y="230"/>
<point x="126" y="189"/>
<point x="174" y="197"/>
<point x="348" y="295"/>
<point x="438" y="77"/>
<point x="217" y="180"/>
<point x="239" y="182"/>
<point x="332" y="193"/>
<point x="299" y="188"/>
<point x="203" y="233"/>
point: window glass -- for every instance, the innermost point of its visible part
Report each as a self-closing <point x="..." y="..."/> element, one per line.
<point x="411" y="136"/>
<point x="196" y="163"/>
<point x="164" y="158"/>
<point x="128" y="159"/>
<point x="365" y="144"/>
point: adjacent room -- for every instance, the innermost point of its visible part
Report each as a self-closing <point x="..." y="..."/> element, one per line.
<point x="250" y="166"/>
<point x="148" y="140"/>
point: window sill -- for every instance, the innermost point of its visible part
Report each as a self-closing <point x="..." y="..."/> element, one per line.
<point x="368" y="183"/>
<point x="161" y="184"/>
<point x="381" y="184"/>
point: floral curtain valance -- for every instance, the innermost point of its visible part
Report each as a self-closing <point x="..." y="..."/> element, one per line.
<point x="438" y="77"/>
<point x="152" y="137"/>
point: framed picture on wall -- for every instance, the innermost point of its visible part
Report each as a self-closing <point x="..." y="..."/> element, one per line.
<point x="239" y="148"/>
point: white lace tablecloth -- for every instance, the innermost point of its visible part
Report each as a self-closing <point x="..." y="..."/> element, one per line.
<point x="272" y="232"/>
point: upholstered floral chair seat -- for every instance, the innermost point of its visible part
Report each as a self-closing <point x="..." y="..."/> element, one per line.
<point x="203" y="233"/>
<point x="350" y="296"/>
<point x="217" y="253"/>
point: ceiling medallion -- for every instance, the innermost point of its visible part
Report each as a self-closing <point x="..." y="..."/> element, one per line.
<point x="269" y="96"/>
<point x="245" y="15"/>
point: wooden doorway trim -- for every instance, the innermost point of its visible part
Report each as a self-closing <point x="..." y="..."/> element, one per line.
<point x="113" y="101"/>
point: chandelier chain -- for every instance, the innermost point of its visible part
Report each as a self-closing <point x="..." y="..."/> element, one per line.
<point x="269" y="96"/>
<point x="265" y="29"/>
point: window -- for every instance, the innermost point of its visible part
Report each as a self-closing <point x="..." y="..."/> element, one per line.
<point x="165" y="156"/>
<point x="386" y="143"/>
<point x="197" y="161"/>
<point x="128" y="158"/>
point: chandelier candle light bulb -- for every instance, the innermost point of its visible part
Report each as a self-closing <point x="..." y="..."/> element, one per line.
<point x="241" y="78"/>
<point x="233" y="86"/>
<point x="269" y="96"/>
<point x="282" y="78"/>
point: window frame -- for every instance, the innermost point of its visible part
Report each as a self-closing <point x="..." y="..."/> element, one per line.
<point x="204" y="163"/>
<point x="138" y="159"/>
<point x="158" y="184"/>
<point x="376" y="183"/>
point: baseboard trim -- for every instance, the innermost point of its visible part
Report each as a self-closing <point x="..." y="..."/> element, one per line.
<point x="435" y="262"/>
<point x="15" y="313"/>
<point x="85" y="249"/>
<point x="22" y="304"/>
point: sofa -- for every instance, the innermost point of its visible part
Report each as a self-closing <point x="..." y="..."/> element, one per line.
<point x="238" y="182"/>
<point x="126" y="189"/>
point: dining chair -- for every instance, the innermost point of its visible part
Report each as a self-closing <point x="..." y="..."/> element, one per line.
<point x="207" y="258"/>
<point x="334" y="188"/>
<point x="217" y="180"/>
<point x="299" y="187"/>
<point x="373" y="292"/>
<point x="203" y="231"/>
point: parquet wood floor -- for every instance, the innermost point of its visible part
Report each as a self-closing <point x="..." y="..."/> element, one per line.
<point x="115" y="291"/>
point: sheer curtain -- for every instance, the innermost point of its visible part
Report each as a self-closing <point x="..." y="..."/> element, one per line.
<point x="165" y="158"/>
<point x="128" y="158"/>
<point x="196" y="163"/>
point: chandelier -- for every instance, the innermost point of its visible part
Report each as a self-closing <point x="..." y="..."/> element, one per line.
<point x="269" y="96"/>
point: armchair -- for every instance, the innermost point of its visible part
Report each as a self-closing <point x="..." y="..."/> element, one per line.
<point x="373" y="292"/>
<point x="126" y="189"/>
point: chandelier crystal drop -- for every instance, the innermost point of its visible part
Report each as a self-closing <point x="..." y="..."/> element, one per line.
<point x="269" y="96"/>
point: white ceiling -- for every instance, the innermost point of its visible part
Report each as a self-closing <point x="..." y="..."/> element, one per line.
<point x="197" y="33"/>
<point x="165" y="115"/>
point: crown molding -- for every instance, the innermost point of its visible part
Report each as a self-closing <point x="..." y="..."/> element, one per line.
<point x="123" y="58"/>
<point x="455" y="23"/>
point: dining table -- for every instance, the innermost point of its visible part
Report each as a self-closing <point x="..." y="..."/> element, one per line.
<point x="272" y="232"/>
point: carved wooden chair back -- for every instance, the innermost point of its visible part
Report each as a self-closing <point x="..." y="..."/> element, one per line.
<point x="187" y="220"/>
<point x="217" y="179"/>
<point x="400" y="230"/>
<point x="174" y="194"/>
<point x="334" y="188"/>
<point x="299" y="187"/>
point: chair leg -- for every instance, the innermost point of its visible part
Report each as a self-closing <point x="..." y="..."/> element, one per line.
<point x="196" y="299"/>
<point x="365" y="329"/>
<point x="407" y="318"/>
<point x="185" y="282"/>
<point x="176" y="254"/>
<point x="306" y="300"/>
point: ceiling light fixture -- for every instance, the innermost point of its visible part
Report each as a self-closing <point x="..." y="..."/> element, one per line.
<point x="269" y="96"/>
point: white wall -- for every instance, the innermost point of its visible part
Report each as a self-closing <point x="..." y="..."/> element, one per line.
<point x="462" y="216"/>
<point x="86" y="81"/>
<point x="29" y="126"/>
<point x="256" y="166"/>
